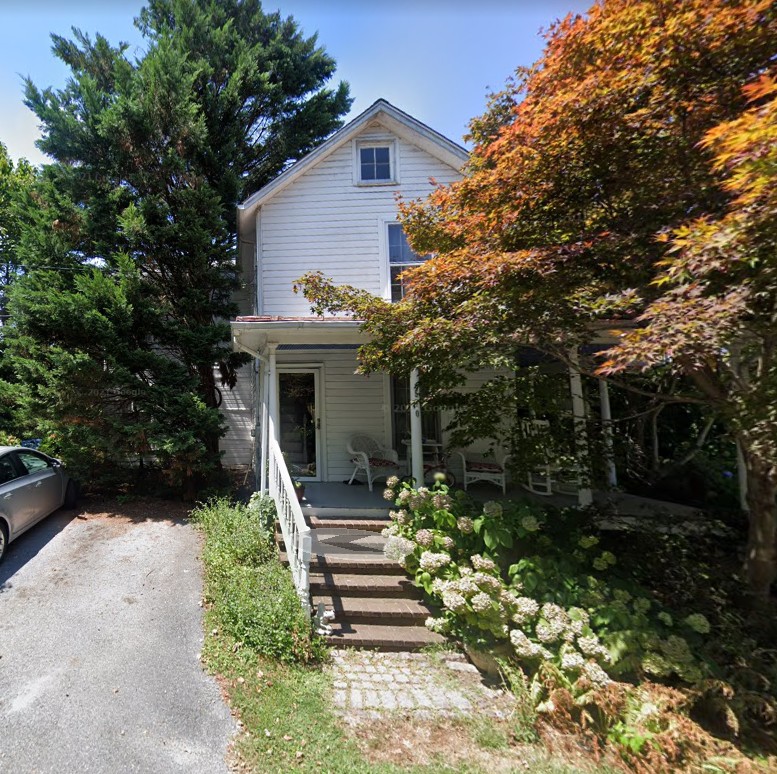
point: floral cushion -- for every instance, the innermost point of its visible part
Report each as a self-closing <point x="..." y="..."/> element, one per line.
<point x="485" y="467"/>
<point x="377" y="462"/>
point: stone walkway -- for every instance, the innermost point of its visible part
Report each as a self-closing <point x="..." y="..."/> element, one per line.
<point x="369" y="684"/>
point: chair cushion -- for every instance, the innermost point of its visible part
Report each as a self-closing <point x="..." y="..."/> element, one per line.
<point x="485" y="467"/>
<point x="377" y="462"/>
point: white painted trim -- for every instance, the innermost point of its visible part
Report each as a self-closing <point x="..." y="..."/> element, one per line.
<point x="394" y="119"/>
<point x="378" y="141"/>
<point x="259" y="301"/>
<point x="383" y="253"/>
<point x="388" y="414"/>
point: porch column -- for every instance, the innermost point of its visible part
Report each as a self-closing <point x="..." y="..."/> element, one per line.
<point x="609" y="457"/>
<point x="265" y="384"/>
<point x="416" y="432"/>
<point x="273" y="424"/>
<point x="584" y="494"/>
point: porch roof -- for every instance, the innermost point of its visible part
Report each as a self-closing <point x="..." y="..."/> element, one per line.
<point x="254" y="333"/>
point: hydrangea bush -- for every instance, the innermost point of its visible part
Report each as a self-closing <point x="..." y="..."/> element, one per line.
<point x="497" y="577"/>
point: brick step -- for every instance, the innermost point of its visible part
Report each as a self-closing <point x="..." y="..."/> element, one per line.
<point x="367" y="525"/>
<point x="377" y="637"/>
<point x="364" y="585"/>
<point x="355" y="610"/>
<point x="358" y="564"/>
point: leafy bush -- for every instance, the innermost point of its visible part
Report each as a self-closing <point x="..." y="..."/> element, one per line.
<point x="251" y="592"/>
<point x="497" y="577"/>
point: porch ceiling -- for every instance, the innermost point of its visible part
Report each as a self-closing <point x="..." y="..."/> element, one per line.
<point x="256" y="333"/>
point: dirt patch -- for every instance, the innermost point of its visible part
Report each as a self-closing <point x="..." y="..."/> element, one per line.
<point x="137" y="510"/>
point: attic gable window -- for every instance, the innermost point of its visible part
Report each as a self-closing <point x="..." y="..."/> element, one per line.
<point x="375" y="163"/>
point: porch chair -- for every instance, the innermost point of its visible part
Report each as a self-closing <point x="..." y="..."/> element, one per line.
<point x="539" y="480"/>
<point x="494" y="472"/>
<point x="368" y="455"/>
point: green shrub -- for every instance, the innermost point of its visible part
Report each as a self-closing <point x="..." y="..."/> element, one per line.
<point x="252" y="593"/>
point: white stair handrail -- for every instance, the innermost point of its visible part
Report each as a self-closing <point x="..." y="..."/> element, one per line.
<point x="296" y="533"/>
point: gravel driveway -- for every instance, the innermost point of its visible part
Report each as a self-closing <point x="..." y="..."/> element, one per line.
<point x="100" y="633"/>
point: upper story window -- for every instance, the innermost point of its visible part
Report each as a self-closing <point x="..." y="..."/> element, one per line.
<point x="375" y="162"/>
<point x="401" y="257"/>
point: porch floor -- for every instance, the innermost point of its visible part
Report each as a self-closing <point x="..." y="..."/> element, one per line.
<point x="334" y="499"/>
<point x="338" y="500"/>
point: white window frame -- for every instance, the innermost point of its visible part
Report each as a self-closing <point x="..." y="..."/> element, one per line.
<point x="384" y="223"/>
<point x="376" y="142"/>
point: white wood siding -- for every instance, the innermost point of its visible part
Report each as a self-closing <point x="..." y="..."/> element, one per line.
<point x="352" y="403"/>
<point x="324" y="222"/>
<point x="237" y="408"/>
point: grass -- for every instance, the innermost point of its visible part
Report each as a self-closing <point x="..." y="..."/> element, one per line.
<point x="269" y="664"/>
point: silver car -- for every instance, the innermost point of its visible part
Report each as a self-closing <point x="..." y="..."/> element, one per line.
<point x="32" y="485"/>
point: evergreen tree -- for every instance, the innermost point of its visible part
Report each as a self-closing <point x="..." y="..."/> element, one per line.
<point x="136" y="216"/>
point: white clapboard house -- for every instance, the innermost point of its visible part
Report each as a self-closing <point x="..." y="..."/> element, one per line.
<point x="333" y="211"/>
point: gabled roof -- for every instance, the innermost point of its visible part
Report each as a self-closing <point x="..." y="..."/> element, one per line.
<point x="393" y="118"/>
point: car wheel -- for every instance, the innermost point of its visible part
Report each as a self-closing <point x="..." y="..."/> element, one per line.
<point x="71" y="495"/>
<point x="3" y="539"/>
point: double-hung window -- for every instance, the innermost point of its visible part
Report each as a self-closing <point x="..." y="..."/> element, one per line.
<point x="401" y="257"/>
<point x="375" y="162"/>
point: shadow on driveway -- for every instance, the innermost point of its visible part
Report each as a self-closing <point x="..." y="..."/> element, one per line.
<point x="28" y="545"/>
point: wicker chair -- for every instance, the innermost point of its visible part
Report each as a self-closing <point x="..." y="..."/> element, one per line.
<point x="494" y="472"/>
<point x="369" y="456"/>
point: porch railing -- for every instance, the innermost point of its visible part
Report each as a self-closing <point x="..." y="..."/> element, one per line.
<point x="296" y="533"/>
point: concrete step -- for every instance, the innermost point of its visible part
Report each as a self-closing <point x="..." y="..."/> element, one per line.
<point x="364" y="585"/>
<point x="379" y="637"/>
<point x="377" y="610"/>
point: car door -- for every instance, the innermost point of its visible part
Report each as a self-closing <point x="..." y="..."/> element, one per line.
<point x="40" y="489"/>
<point x="13" y="499"/>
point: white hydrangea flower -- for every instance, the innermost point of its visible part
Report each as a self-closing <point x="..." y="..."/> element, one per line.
<point x="424" y="538"/>
<point x="431" y="562"/>
<point x="591" y="647"/>
<point x="397" y="548"/>
<point x="572" y="660"/>
<point x="439" y="625"/>
<point x="530" y="523"/>
<point x="389" y="531"/>
<point x="440" y="586"/>
<point x="698" y="623"/>
<point x="392" y="482"/>
<point x="596" y="674"/>
<point x="465" y="570"/>
<point x="403" y="496"/>
<point x="441" y="501"/>
<point x="466" y="585"/>
<point x="641" y="605"/>
<point x="549" y="631"/>
<point x="482" y="563"/>
<point x="448" y="543"/>
<point x="525" y="648"/>
<point x="493" y="509"/>
<point x="526" y="608"/>
<point x="465" y="524"/>
<point x="676" y="649"/>
<point x="480" y="602"/>
<point x="488" y="582"/>
<point x="454" y="601"/>
<point x="389" y="494"/>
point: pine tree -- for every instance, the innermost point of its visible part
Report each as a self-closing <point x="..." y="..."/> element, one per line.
<point x="136" y="216"/>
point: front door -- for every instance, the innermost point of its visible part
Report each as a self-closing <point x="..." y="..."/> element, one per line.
<point x="300" y="421"/>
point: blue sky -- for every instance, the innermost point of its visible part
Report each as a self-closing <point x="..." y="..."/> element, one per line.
<point x="435" y="59"/>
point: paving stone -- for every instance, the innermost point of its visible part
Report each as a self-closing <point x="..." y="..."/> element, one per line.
<point x="462" y="666"/>
<point x="356" y="698"/>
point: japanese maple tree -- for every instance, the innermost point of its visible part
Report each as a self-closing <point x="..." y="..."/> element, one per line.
<point x="628" y="175"/>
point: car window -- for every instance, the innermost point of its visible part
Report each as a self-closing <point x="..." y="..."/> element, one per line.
<point x="32" y="462"/>
<point x="7" y="470"/>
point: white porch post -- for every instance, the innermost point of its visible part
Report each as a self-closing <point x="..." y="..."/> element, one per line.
<point x="584" y="493"/>
<point x="416" y="432"/>
<point x="273" y="424"/>
<point x="265" y="385"/>
<point x="609" y="457"/>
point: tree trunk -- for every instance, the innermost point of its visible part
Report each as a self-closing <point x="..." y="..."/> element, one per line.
<point x="208" y="392"/>
<point x="761" y="561"/>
